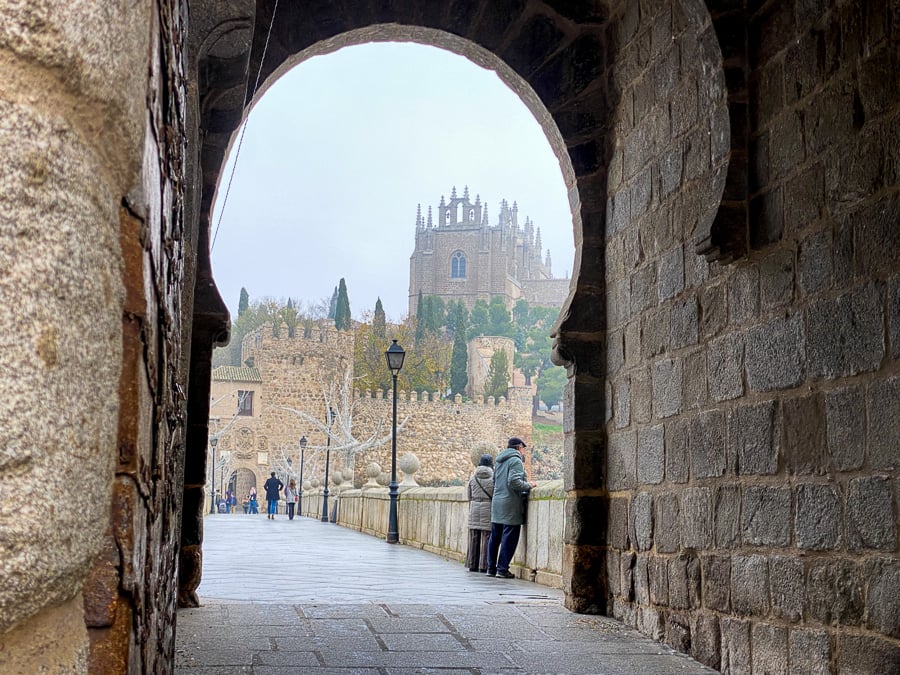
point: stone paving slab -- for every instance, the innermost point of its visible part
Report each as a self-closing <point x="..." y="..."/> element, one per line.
<point x="320" y="599"/>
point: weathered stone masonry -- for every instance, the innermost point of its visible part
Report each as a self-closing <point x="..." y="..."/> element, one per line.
<point x="732" y="333"/>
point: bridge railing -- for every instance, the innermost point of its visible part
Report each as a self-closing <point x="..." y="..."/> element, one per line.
<point x="436" y="520"/>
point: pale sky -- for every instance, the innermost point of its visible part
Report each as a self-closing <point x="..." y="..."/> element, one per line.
<point x="340" y="151"/>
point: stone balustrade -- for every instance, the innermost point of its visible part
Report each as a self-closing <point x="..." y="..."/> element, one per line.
<point x="436" y="520"/>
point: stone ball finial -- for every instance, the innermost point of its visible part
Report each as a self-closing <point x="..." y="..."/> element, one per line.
<point x="482" y="448"/>
<point x="384" y="478"/>
<point x="373" y="470"/>
<point x="347" y="473"/>
<point x="314" y="483"/>
<point x="409" y="464"/>
<point x="337" y="478"/>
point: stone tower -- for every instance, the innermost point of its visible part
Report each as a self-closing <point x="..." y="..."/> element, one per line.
<point x="462" y="256"/>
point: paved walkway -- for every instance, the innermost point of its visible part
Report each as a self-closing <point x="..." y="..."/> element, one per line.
<point x="304" y="596"/>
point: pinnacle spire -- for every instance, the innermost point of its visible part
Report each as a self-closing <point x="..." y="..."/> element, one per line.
<point x="429" y="218"/>
<point x="453" y="193"/>
<point x="466" y="193"/>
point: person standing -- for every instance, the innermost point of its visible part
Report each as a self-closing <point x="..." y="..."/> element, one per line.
<point x="272" y="487"/>
<point x="290" y="497"/>
<point x="511" y="488"/>
<point x="252" y="502"/>
<point x="480" y="492"/>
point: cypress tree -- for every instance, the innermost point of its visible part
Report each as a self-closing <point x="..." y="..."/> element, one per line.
<point x="244" y="302"/>
<point x="420" y="319"/>
<point x="379" y="320"/>
<point x="498" y="375"/>
<point x="459" y="377"/>
<point x="342" y="307"/>
<point x="332" y="306"/>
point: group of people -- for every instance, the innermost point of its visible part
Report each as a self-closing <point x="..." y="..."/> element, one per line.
<point x="273" y="487"/>
<point x="498" y="497"/>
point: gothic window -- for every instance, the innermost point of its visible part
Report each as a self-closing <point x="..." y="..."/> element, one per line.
<point x="458" y="265"/>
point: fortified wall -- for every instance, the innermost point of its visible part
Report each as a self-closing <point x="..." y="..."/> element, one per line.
<point x="290" y="372"/>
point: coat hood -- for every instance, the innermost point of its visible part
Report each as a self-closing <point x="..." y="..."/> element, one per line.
<point x="506" y="455"/>
<point x="484" y="472"/>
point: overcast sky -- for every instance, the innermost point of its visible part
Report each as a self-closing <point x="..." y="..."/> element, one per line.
<point x="340" y="151"/>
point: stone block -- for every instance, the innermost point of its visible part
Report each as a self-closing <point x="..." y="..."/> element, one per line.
<point x="654" y="332"/>
<point x="666" y="522"/>
<point x="693" y="380"/>
<point x="867" y="654"/>
<point x="618" y="523"/>
<point x="614" y="573"/>
<point x="621" y="461"/>
<point x="671" y="272"/>
<point x="684" y="582"/>
<point x="643" y="289"/>
<point x="641" y="396"/>
<point x="622" y="402"/>
<point x="753" y="439"/>
<point x="883" y="596"/>
<point x="650" y="622"/>
<point x="713" y="310"/>
<point x="845" y="335"/>
<point x="803" y="435"/>
<point x="870" y="514"/>
<point x="716" y="579"/>
<point x="884" y="424"/>
<point x="642" y="521"/>
<point x="845" y="421"/>
<point x="766" y="516"/>
<point x="667" y="382"/>
<point x="814" y="265"/>
<point x="678" y="463"/>
<point x="684" y="323"/>
<point x="658" y="573"/>
<point x="696" y="518"/>
<point x="818" y="522"/>
<point x="632" y="342"/>
<point x="810" y="651"/>
<point x="678" y="632"/>
<point x="770" y="649"/>
<point x="651" y="460"/>
<point x="776" y="279"/>
<point x="749" y="582"/>
<point x="775" y="354"/>
<point x="707" y="441"/>
<point x="641" y="581"/>
<point x="834" y="592"/>
<point x="725" y="367"/>
<point x="877" y="241"/>
<point x="735" y="646"/>
<point x="787" y="587"/>
<point x="727" y="510"/>
<point x="706" y="644"/>
<point x="743" y="295"/>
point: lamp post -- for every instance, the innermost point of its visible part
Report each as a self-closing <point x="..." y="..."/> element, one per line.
<point x="394" y="356"/>
<point x="329" y="418"/>
<point x="300" y="489"/>
<point x="212" y="475"/>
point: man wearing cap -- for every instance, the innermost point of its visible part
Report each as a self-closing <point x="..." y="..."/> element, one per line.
<point x="511" y="487"/>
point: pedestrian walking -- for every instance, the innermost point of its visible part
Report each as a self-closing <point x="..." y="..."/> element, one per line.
<point x="511" y="488"/>
<point x="272" y="487"/>
<point x="290" y="497"/>
<point x="480" y="491"/>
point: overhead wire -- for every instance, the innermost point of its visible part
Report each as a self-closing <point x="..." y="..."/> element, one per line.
<point x="237" y="152"/>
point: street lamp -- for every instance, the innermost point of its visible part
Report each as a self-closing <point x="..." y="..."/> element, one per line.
<point x="300" y="490"/>
<point x="212" y="476"/>
<point x="394" y="356"/>
<point x="329" y="418"/>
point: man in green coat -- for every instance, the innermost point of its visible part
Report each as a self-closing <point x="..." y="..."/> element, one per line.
<point x="511" y="488"/>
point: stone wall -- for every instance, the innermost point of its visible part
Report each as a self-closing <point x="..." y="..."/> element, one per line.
<point x="753" y="455"/>
<point x="436" y="520"/>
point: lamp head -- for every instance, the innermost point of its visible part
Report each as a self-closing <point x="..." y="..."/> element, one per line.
<point x="303" y="441"/>
<point x="395" y="356"/>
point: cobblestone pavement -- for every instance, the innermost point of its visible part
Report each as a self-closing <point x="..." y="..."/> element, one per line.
<point x="304" y="596"/>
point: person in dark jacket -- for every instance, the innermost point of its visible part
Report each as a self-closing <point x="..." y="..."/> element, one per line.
<point x="480" y="492"/>
<point x="511" y="487"/>
<point x="272" y="487"/>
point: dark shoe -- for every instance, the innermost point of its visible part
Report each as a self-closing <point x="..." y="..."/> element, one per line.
<point x="505" y="574"/>
<point x="491" y="573"/>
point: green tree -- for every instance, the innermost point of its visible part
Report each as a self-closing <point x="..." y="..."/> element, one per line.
<point x="479" y="319"/>
<point x="244" y="302"/>
<point x="459" y="376"/>
<point x="332" y="305"/>
<point x="342" y="307"/>
<point x="529" y="364"/>
<point x="520" y="312"/>
<point x="500" y="322"/>
<point x="550" y="386"/>
<point x="498" y="375"/>
<point x="420" y="318"/>
<point x="379" y="320"/>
